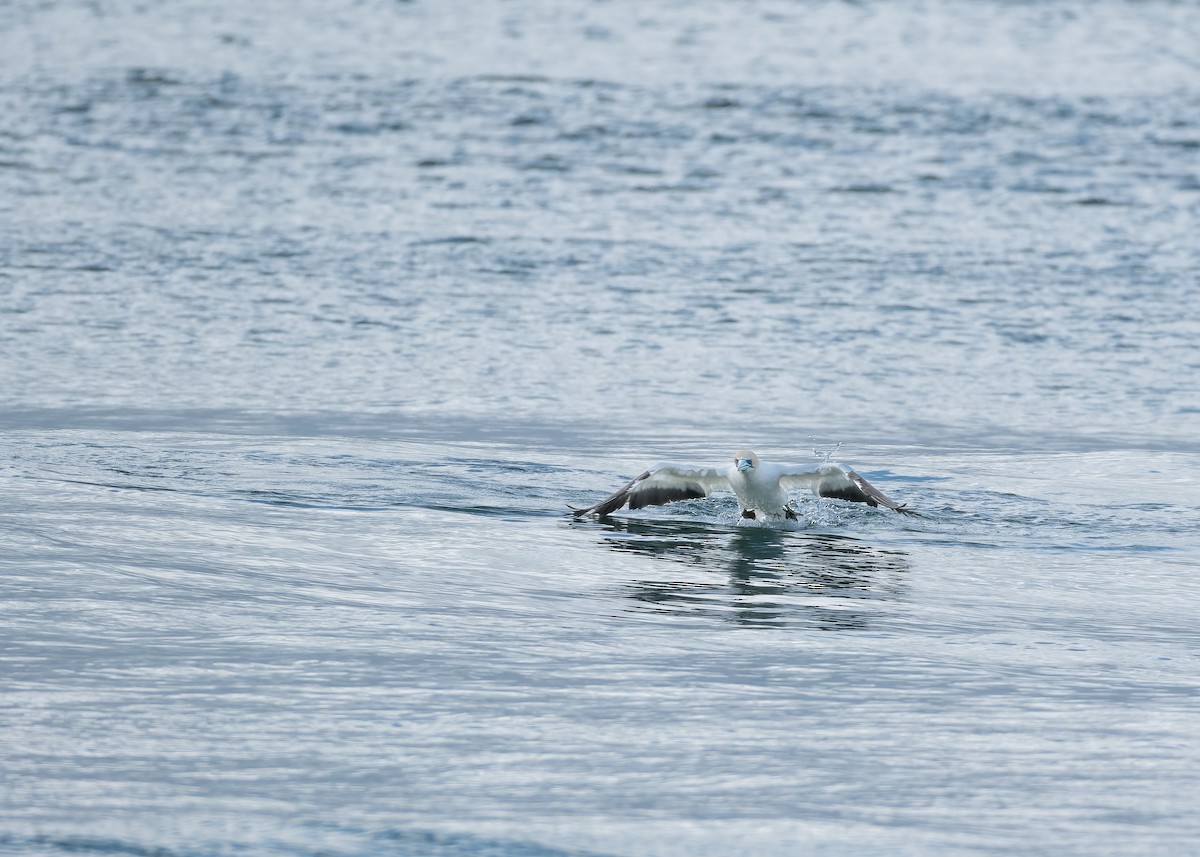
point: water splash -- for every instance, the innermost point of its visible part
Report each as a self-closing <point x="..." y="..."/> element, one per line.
<point x="826" y="454"/>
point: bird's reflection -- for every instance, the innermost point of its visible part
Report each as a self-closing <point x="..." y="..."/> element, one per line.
<point x="764" y="577"/>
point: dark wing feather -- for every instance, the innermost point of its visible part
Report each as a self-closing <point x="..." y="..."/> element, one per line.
<point x="614" y="501"/>
<point x="658" y="495"/>
<point x="830" y="480"/>
<point x="865" y="492"/>
<point x="666" y="484"/>
<point x="851" y="492"/>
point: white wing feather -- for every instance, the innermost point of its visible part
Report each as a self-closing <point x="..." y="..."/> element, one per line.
<point x="665" y="483"/>
<point x="830" y="480"/>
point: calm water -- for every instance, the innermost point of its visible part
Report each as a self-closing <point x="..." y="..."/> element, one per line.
<point x="314" y="316"/>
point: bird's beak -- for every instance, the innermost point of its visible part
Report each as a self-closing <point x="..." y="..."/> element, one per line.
<point x="744" y="464"/>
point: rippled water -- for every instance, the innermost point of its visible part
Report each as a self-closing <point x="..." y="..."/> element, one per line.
<point x="314" y="316"/>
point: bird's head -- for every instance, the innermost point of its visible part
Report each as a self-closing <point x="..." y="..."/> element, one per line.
<point x="745" y="460"/>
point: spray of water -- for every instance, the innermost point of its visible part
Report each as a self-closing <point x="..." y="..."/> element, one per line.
<point x="826" y="453"/>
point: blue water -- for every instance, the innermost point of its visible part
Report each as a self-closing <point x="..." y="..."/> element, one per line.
<point x="315" y="316"/>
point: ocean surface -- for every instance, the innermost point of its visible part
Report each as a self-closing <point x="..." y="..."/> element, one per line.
<point x="315" y="315"/>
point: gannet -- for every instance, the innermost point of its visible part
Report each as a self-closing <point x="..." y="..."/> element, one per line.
<point x="760" y="487"/>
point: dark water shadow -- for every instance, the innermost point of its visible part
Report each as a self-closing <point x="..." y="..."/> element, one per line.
<point x="762" y="577"/>
<point x="348" y="843"/>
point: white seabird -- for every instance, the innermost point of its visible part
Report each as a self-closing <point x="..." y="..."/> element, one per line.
<point x="760" y="487"/>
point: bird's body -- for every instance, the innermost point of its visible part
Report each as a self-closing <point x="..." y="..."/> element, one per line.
<point x="760" y="487"/>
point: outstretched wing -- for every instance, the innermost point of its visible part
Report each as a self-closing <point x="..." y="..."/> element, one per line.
<point x="830" y="480"/>
<point x="665" y="483"/>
